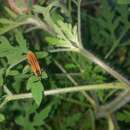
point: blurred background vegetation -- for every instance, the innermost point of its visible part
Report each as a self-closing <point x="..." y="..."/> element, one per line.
<point x="105" y="31"/>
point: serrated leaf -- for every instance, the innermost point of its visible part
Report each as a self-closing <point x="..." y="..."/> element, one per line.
<point x="20" y="20"/>
<point x="9" y="27"/>
<point x="12" y="53"/>
<point x="67" y="29"/>
<point x="21" y="41"/>
<point x="57" y="42"/>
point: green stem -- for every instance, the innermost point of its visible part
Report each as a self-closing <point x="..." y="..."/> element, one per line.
<point x="57" y="91"/>
<point x="121" y="99"/>
<point x="63" y="50"/>
<point x="110" y="122"/>
<point x="7" y="91"/>
<point x="79" y="23"/>
<point x="114" y="105"/>
<point x="40" y="24"/>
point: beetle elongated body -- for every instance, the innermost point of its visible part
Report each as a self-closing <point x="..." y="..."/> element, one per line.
<point x="32" y="60"/>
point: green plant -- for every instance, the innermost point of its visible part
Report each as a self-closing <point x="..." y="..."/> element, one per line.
<point x="59" y="45"/>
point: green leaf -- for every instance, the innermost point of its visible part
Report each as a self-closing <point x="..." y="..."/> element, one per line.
<point x="5" y="27"/>
<point x="5" y="21"/>
<point x="42" y="115"/>
<point x="13" y="53"/>
<point x="36" y="88"/>
<point x="12" y="73"/>
<point x="123" y="116"/>
<point x="2" y="117"/>
<point x="44" y="75"/>
<point x="20" y="120"/>
<point x="57" y="42"/>
<point x="9" y="27"/>
<point x="31" y="82"/>
<point x="42" y="54"/>
<point x="37" y="92"/>
<point x="26" y="69"/>
<point x="21" y="41"/>
<point x="39" y="9"/>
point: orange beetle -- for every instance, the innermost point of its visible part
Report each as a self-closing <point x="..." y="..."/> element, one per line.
<point x="32" y="60"/>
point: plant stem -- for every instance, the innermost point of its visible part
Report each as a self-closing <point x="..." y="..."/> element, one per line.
<point x="122" y="98"/>
<point x="117" y="103"/>
<point x="106" y="86"/>
<point x="63" y="50"/>
<point x="79" y="23"/>
<point x="110" y="122"/>
<point x="40" y="24"/>
<point x="7" y="91"/>
<point x="92" y="115"/>
<point x="103" y="65"/>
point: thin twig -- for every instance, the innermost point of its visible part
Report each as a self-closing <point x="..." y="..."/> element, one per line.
<point x="64" y="74"/>
<point x="79" y="23"/>
<point x="76" y="84"/>
<point x="63" y="50"/>
<point x="110" y="122"/>
<point x="106" y="86"/>
<point x="114" y="105"/>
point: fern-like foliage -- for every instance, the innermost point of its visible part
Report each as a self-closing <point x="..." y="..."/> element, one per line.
<point x="108" y="32"/>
